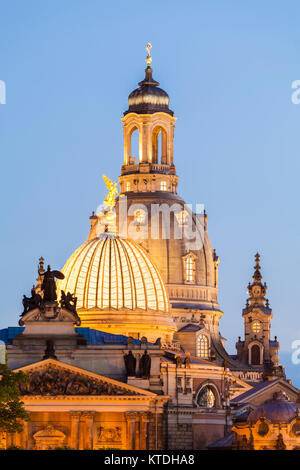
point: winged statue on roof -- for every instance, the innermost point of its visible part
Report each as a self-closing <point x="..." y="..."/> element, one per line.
<point x="109" y="201"/>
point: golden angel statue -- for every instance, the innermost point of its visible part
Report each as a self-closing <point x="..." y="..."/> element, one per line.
<point x="109" y="201"/>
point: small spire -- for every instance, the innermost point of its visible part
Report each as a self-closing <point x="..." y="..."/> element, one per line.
<point x="148" y="80"/>
<point x="39" y="279"/>
<point x="257" y="274"/>
<point x="148" y="58"/>
<point x="257" y="258"/>
<point x="257" y="290"/>
<point x="41" y="265"/>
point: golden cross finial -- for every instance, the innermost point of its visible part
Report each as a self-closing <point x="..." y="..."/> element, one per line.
<point x="148" y="58"/>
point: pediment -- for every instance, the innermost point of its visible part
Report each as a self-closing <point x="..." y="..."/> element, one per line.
<point x="265" y="390"/>
<point x="189" y="328"/>
<point x="49" y="313"/>
<point x="54" y="378"/>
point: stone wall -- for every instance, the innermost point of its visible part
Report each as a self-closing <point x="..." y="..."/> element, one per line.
<point x="155" y="432"/>
<point x="180" y="436"/>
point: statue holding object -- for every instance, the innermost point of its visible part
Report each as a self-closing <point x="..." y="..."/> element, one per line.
<point x="49" y="285"/>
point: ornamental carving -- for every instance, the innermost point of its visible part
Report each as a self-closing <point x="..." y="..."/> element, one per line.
<point x="53" y="381"/>
<point x="48" y="438"/>
<point x="107" y="434"/>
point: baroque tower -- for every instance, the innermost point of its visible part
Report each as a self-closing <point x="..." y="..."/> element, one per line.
<point x="150" y="116"/>
<point x="257" y="349"/>
<point x="156" y="211"/>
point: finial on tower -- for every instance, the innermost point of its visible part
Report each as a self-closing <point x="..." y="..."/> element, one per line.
<point x="257" y="290"/>
<point x="41" y="265"/>
<point x="257" y="258"/>
<point x="257" y="274"/>
<point x="148" y="58"/>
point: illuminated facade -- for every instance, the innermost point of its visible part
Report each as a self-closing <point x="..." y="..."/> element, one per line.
<point x="139" y="361"/>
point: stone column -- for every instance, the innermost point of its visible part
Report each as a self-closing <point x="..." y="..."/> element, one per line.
<point x="131" y="430"/>
<point x="3" y="439"/>
<point x="144" y="420"/>
<point x="24" y="435"/>
<point x="89" y="419"/>
<point x="9" y="439"/>
<point x="138" y="431"/>
<point x="30" y="440"/>
<point x="75" y="419"/>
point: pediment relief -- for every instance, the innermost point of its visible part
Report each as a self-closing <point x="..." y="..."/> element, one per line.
<point x="53" y="378"/>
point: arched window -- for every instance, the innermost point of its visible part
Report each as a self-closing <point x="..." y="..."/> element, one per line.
<point x="189" y="267"/>
<point x="255" y="355"/>
<point x="163" y="186"/>
<point x="134" y="150"/>
<point x="159" y="145"/>
<point x="206" y="397"/>
<point x="182" y="218"/>
<point x="202" y="346"/>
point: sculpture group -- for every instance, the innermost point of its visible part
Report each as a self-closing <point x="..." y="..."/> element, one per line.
<point x="144" y="365"/>
<point x="54" y="381"/>
<point x="48" y="293"/>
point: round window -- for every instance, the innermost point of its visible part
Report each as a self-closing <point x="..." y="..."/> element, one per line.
<point x="263" y="428"/>
<point x="296" y="428"/>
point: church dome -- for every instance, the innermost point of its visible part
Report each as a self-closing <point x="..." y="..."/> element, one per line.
<point x="148" y="98"/>
<point x="169" y="253"/>
<point x="112" y="273"/>
<point x="278" y="410"/>
<point x="118" y="288"/>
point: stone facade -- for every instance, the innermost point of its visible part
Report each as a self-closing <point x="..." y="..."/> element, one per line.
<point x="121" y="294"/>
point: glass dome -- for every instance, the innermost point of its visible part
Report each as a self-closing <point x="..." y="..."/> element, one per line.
<point x="110" y="273"/>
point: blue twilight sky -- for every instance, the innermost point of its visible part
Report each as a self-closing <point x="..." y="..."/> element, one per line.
<point x="228" y="67"/>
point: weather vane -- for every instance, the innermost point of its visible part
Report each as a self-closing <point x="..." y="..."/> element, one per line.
<point x="109" y="201"/>
<point x="148" y="58"/>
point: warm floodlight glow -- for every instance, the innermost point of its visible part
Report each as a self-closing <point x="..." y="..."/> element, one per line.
<point x="113" y="273"/>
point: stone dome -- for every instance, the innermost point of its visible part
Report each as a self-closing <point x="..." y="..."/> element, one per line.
<point x="168" y="254"/>
<point x="148" y="98"/>
<point x="118" y="288"/>
<point x="278" y="410"/>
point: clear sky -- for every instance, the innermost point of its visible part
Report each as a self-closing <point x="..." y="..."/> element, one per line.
<point x="228" y="67"/>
